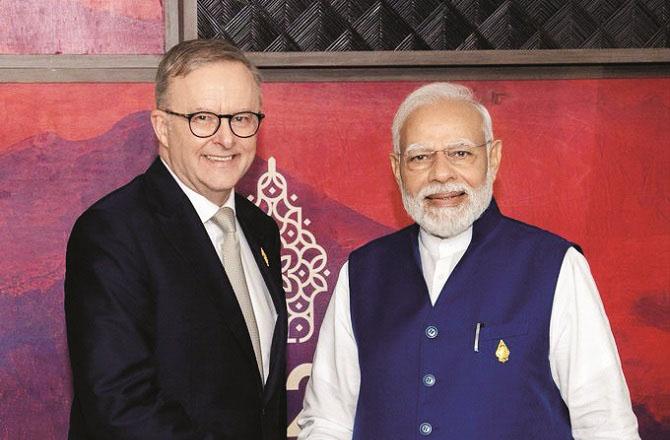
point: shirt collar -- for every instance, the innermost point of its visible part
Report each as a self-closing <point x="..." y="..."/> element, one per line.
<point x="443" y="247"/>
<point x="204" y="207"/>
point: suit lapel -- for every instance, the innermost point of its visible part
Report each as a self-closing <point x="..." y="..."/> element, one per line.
<point x="184" y="230"/>
<point x="262" y="245"/>
<point x="258" y="249"/>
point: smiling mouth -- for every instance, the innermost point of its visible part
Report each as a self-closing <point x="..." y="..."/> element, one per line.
<point x="217" y="158"/>
<point x="448" y="196"/>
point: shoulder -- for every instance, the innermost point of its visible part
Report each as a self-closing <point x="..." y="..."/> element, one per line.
<point x="388" y="243"/>
<point x="113" y="212"/>
<point x="517" y="231"/>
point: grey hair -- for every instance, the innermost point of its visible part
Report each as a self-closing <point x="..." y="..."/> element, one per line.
<point x="430" y="94"/>
<point x="189" y="55"/>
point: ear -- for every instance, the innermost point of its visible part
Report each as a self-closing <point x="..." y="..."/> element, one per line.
<point x="495" y="156"/>
<point x="160" y="125"/>
<point x="395" y="167"/>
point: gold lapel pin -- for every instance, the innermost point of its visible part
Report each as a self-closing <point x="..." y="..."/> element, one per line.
<point x="502" y="352"/>
<point x="265" y="257"/>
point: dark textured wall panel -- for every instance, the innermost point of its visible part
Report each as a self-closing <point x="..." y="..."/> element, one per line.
<point x="348" y="25"/>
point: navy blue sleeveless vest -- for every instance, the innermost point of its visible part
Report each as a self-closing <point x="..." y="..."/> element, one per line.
<point x="421" y="377"/>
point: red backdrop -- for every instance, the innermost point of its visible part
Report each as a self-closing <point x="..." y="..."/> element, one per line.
<point x="584" y="158"/>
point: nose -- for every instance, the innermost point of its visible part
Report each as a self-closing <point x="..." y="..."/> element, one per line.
<point x="224" y="135"/>
<point x="442" y="170"/>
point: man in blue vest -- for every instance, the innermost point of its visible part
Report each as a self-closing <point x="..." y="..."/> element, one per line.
<point x="467" y="324"/>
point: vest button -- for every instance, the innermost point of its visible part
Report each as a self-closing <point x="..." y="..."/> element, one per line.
<point x="429" y="380"/>
<point x="425" y="428"/>
<point x="431" y="332"/>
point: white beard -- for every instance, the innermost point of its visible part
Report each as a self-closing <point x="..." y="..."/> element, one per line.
<point x="448" y="221"/>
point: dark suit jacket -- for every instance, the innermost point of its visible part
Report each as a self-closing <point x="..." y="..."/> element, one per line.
<point x="158" y="345"/>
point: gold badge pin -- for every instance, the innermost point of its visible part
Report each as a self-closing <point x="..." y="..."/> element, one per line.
<point x="502" y="352"/>
<point x="265" y="257"/>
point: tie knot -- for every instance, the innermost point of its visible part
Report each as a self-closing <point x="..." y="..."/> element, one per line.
<point x="225" y="218"/>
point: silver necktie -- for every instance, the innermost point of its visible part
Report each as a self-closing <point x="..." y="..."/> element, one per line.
<point x="232" y="263"/>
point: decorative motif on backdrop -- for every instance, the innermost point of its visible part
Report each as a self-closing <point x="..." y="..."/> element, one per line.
<point x="303" y="259"/>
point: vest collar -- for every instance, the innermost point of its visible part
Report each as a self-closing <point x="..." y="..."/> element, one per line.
<point x="481" y="228"/>
<point x="486" y="222"/>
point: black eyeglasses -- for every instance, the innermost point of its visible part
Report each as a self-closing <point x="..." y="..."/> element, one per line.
<point x="205" y="124"/>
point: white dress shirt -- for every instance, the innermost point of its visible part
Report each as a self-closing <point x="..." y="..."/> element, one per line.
<point x="261" y="301"/>
<point x="583" y="357"/>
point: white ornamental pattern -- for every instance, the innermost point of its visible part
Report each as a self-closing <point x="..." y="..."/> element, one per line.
<point x="303" y="260"/>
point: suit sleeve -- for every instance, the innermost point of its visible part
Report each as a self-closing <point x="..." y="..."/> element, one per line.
<point x="110" y="329"/>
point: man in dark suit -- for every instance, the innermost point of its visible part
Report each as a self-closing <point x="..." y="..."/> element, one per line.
<point x="176" y="316"/>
